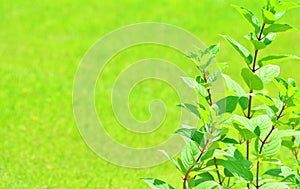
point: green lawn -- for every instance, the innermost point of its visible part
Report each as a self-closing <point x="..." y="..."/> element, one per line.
<point x="41" y="45"/>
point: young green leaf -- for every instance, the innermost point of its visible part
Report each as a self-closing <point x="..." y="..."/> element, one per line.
<point x="287" y="133"/>
<point x="233" y="86"/>
<point x="267" y="40"/>
<point x="275" y="186"/>
<point x="252" y="80"/>
<point x="244" y="122"/>
<point x="191" y="108"/>
<point x="249" y="16"/>
<point x="275" y="28"/>
<point x="237" y="168"/>
<point x="289" y="144"/>
<point x="281" y="84"/>
<point x="213" y="49"/>
<point x="206" y="176"/>
<point x="265" y="99"/>
<point x="230" y="141"/>
<point x="273" y="172"/>
<point x="269" y="17"/>
<point x="171" y="159"/>
<point x="258" y="44"/>
<point x="192" y="83"/>
<point x="240" y="49"/>
<point x="284" y="6"/>
<point x="214" y="76"/>
<point x="276" y="59"/>
<point x="195" y="57"/>
<point x="266" y="73"/>
<point x="244" y="102"/>
<point x="157" y="184"/>
<point x="208" y="185"/>
<point x="264" y="123"/>
<point x="191" y="133"/>
<point x="189" y="155"/>
<point x="227" y="104"/>
<point x="272" y="147"/>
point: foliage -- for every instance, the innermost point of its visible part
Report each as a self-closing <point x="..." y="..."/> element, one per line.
<point x="237" y="137"/>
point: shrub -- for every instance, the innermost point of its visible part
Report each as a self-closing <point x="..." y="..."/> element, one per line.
<point x="236" y="137"/>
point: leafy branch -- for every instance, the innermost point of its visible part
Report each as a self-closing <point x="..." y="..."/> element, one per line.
<point x="212" y="153"/>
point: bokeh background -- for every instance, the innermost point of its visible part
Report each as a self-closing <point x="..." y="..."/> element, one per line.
<point x="41" y="45"/>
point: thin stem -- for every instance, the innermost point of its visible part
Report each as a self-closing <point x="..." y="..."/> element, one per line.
<point x="186" y="176"/>
<point x="265" y="142"/>
<point x="254" y="61"/>
<point x="253" y="69"/>
<point x="257" y="174"/>
<point x="228" y="183"/>
<point x="208" y="89"/>
<point x="218" y="173"/>
<point x="261" y="32"/>
<point x="248" y="145"/>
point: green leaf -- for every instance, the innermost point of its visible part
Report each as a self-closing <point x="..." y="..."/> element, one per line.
<point x="244" y="122"/>
<point x="243" y="102"/>
<point x="233" y="86"/>
<point x="284" y="6"/>
<point x="206" y="65"/>
<point x="241" y="49"/>
<point x="269" y="17"/>
<point x="281" y="84"/>
<point x="207" y="155"/>
<point x="194" y="56"/>
<point x="275" y="28"/>
<point x="289" y="144"/>
<point x="252" y="80"/>
<point x="157" y="184"/>
<point x="191" y="108"/>
<point x="206" y="176"/>
<point x="214" y="76"/>
<point x="273" y="172"/>
<point x="227" y="173"/>
<point x="237" y="168"/>
<point x="191" y="133"/>
<point x="275" y="186"/>
<point x="272" y="147"/>
<point x="213" y="49"/>
<point x="192" y="83"/>
<point x="230" y="141"/>
<point x="245" y="133"/>
<point x="290" y="175"/>
<point x="265" y="99"/>
<point x="276" y="59"/>
<point x="267" y="40"/>
<point x="258" y="45"/>
<point x="257" y="131"/>
<point x="287" y="133"/>
<point x="172" y="160"/>
<point x="189" y="155"/>
<point x="207" y="185"/>
<point x="264" y="123"/>
<point x="227" y="104"/>
<point x="266" y="73"/>
<point x="217" y="145"/>
<point x="249" y="16"/>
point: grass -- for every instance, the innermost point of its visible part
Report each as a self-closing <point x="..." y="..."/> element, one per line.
<point x="41" y="45"/>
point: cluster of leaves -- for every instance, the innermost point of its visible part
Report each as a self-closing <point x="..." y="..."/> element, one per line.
<point x="235" y="138"/>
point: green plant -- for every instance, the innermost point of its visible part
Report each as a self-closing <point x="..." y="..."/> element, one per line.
<point x="238" y="137"/>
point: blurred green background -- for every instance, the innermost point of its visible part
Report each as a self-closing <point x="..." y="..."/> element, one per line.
<point x="41" y="45"/>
